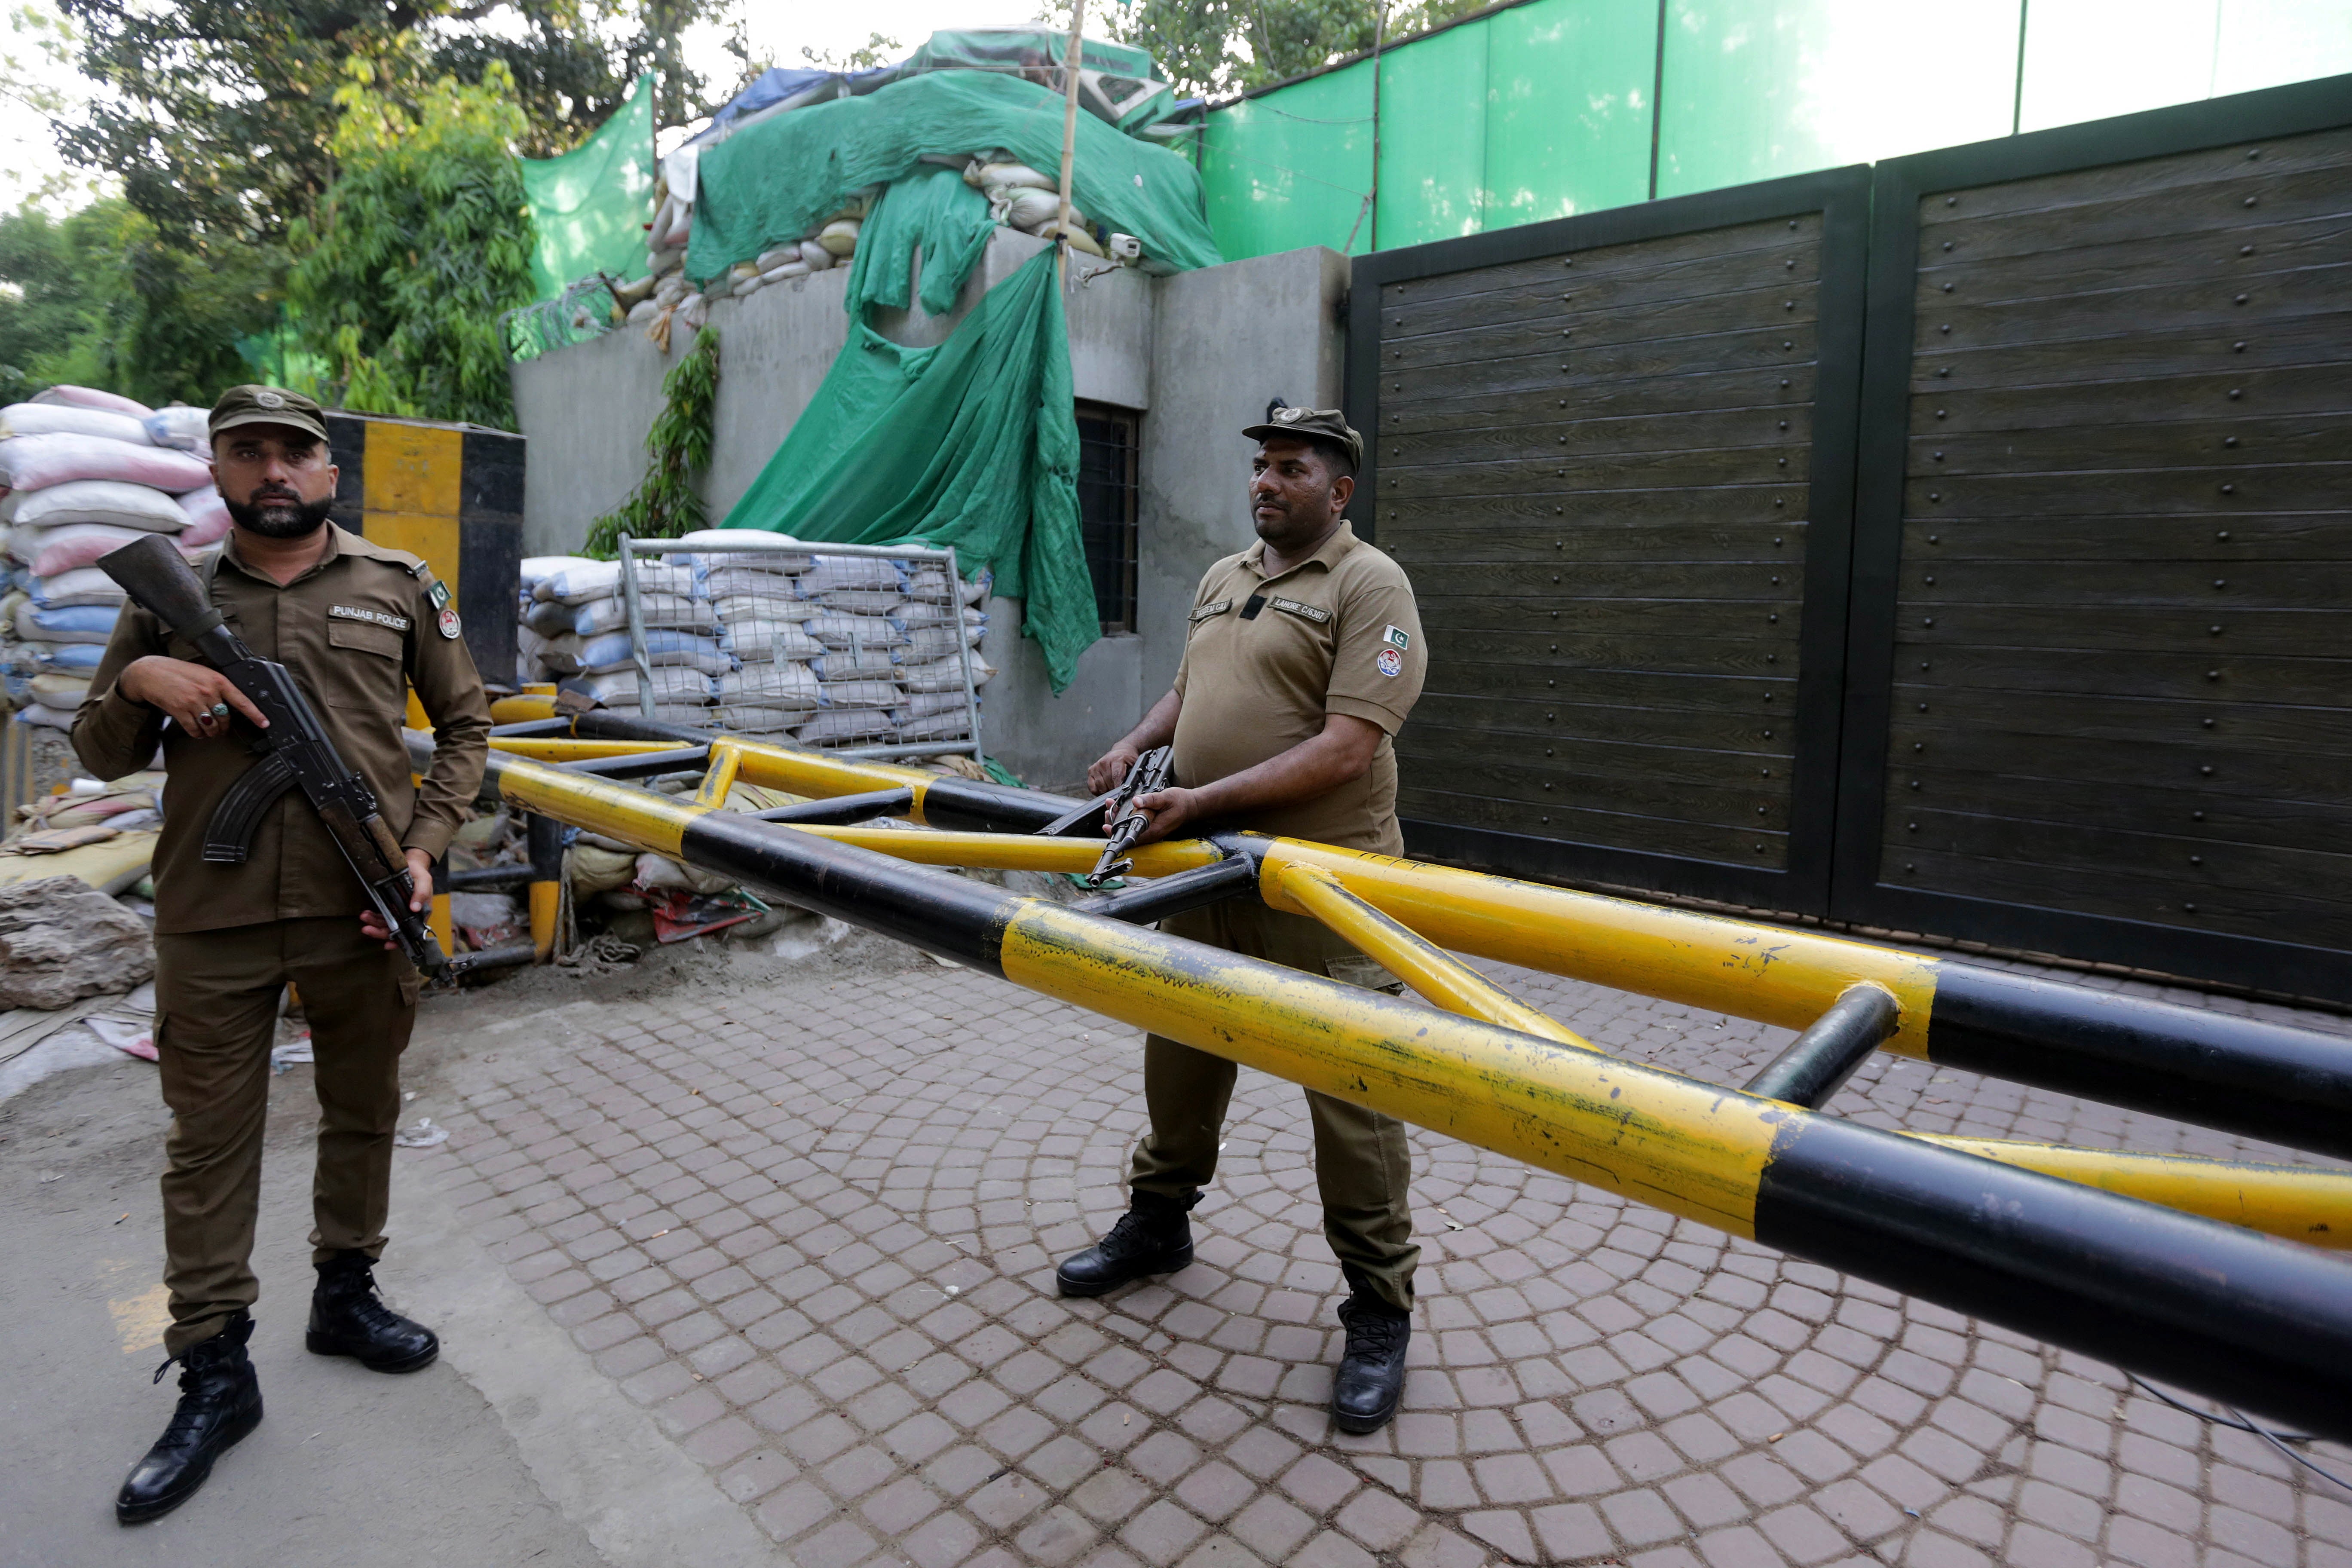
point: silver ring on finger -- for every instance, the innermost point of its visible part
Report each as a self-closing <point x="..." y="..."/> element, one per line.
<point x="219" y="710"/>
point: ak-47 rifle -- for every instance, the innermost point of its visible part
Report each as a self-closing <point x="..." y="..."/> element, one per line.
<point x="294" y="750"/>
<point x="1148" y="775"/>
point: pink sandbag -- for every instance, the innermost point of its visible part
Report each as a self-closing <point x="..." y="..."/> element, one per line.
<point x="33" y="462"/>
<point x="208" y="519"/>
<point x="78" y="545"/>
<point x="91" y="397"/>
<point x="65" y="420"/>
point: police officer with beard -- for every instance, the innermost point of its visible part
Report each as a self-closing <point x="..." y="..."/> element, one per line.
<point x="359" y="625"/>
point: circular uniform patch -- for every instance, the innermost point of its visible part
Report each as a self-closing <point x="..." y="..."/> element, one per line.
<point x="448" y="625"/>
<point x="1392" y="662"/>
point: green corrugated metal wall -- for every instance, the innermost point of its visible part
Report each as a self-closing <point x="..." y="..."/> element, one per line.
<point x="1547" y="109"/>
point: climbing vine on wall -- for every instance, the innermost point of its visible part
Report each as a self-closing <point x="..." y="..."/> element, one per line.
<point x="667" y="503"/>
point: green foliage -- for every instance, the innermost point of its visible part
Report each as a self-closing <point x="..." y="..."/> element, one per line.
<point x="877" y="50"/>
<point x="418" y="246"/>
<point x="222" y="114"/>
<point x="101" y="299"/>
<point x="667" y="503"/>
<point x="1210" y="47"/>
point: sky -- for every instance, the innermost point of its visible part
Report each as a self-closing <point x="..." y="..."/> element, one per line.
<point x="28" y="155"/>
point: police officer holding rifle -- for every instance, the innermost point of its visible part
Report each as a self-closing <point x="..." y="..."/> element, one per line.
<point x="1304" y="657"/>
<point x="295" y="850"/>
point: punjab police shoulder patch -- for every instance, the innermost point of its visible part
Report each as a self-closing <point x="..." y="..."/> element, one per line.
<point x="450" y="627"/>
<point x="1392" y="662"/>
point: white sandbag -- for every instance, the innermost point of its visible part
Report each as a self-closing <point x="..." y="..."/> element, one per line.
<point x="815" y="256"/>
<point x="42" y="716"/>
<point x="53" y="551"/>
<point x="840" y="237"/>
<point x="859" y="631"/>
<point x="1080" y="240"/>
<point x="758" y="640"/>
<point x="641" y="312"/>
<point x="932" y="727"/>
<point x="841" y="725"/>
<point x="784" y="272"/>
<point x="1026" y="208"/>
<point x="751" y="285"/>
<point x="776" y="256"/>
<point x="1017" y="174"/>
<point x="944" y="675"/>
<point x="91" y="397"/>
<point x="62" y="692"/>
<point x="658" y="873"/>
<point x="827" y="573"/>
<point x="715" y="540"/>
<point x="208" y="521"/>
<point x="867" y="663"/>
<point x="694" y="310"/>
<point x="771" y="686"/>
<point x="923" y="704"/>
<point x="926" y="645"/>
<point x="860" y="693"/>
<point x="86" y="586"/>
<point x="188" y="429"/>
<point x="861" y="601"/>
<point x="557" y="657"/>
<point x="537" y="569"/>
<point x="65" y="420"/>
<point x="614" y="650"/>
<point x="672" y="611"/>
<point x="913" y="614"/>
<point x="672" y="684"/>
<point x="602" y="580"/>
<point x="36" y="462"/>
<point x="759" y="721"/>
<point x="109" y="501"/>
<point x="74" y="624"/>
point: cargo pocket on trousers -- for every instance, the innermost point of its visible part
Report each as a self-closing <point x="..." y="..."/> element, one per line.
<point x="410" y="985"/>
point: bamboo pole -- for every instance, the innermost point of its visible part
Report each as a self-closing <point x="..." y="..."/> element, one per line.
<point x="1073" y="57"/>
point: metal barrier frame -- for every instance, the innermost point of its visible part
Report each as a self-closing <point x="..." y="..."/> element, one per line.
<point x="2123" y="1257"/>
<point x="630" y="549"/>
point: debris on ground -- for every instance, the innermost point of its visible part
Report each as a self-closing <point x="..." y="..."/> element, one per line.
<point x="62" y="941"/>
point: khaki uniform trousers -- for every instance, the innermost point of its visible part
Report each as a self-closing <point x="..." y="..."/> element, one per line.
<point x="216" y="995"/>
<point x="1362" y="1167"/>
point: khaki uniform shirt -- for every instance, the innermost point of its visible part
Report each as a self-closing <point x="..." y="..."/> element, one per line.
<point x="357" y="630"/>
<point x="1266" y="659"/>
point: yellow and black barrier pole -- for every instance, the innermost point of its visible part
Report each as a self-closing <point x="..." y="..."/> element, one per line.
<point x="2215" y="1069"/>
<point x="2261" y="1323"/>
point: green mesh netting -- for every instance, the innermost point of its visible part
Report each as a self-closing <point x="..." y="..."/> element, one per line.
<point x="932" y="213"/>
<point x="590" y="204"/>
<point x="776" y="180"/>
<point x="972" y="444"/>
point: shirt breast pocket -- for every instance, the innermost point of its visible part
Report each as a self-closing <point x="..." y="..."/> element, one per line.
<point x="368" y="668"/>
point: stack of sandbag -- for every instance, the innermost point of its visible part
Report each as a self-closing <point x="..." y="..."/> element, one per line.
<point x="578" y="615"/>
<point x="86" y="473"/>
<point x="1031" y="201"/>
<point x="839" y="650"/>
<point x="829" y="243"/>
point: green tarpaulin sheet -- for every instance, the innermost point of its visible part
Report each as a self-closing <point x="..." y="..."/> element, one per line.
<point x="776" y="180"/>
<point x="972" y="444"/>
<point x="934" y="214"/>
<point x="592" y="204"/>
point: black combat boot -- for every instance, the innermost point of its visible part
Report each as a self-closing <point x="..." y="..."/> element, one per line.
<point x="220" y="1401"/>
<point x="347" y="1319"/>
<point x="1371" y="1370"/>
<point x="1151" y="1237"/>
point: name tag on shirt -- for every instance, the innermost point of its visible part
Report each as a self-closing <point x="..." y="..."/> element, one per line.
<point x="374" y="618"/>
<point x="1219" y="608"/>
<point x="1315" y="612"/>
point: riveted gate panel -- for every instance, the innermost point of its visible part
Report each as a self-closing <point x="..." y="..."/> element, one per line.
<point x="2102" y="698"/>
<point x="1615" y="452"/>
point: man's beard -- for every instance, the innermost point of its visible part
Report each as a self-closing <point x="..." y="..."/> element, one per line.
<point x="280" y="515"/>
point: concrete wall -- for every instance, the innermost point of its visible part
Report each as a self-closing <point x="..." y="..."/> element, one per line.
<point x="1198" y="356"/>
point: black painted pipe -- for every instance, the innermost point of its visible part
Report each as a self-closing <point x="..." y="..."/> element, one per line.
<point x="1165" y="896"/>
<point x="2215" y="1069"/>
<point x="642" y="765"/>
<point x="841" y="810"/>
<point x="487" y="878"/>
<point x="533" y="730"/>
<point x="1819" y="1061"/>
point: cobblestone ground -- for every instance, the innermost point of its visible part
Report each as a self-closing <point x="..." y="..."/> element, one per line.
<point x="813" y="1228"/>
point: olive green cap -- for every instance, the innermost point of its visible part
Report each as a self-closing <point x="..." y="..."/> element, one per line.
<point x="1312" y="424"/>
<point x="265" y="405"/>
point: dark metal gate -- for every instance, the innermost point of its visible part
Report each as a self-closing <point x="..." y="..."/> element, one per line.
<point x="2094" y="693"/>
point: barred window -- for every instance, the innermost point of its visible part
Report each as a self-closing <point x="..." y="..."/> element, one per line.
<point x="1107" y="489"/>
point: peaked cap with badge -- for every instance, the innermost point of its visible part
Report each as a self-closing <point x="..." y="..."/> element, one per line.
<point x="1323" y="425"/>
<point x="265" y="405"/>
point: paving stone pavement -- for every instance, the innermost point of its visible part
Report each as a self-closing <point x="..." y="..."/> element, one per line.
<point x="813" y="1227"/>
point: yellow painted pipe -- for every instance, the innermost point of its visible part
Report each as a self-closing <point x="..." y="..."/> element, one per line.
<point x="546" y="901"/>
<point x="562" y="749"/>
<point x="1440" y="977"/>
<point x="1774" y="976"/>
<point x="1017" y="852"/>
<point x="2295" y="1202"/>
<point x="521" y="709"/>
<point x="726" y="762"/>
